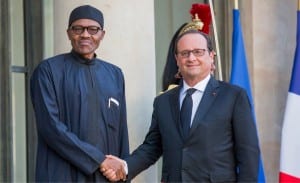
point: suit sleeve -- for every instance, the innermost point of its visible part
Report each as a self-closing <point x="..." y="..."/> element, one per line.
<point x="53" y="131"/>
<point x="246" y="140"/>
<point x="148" y="152"/>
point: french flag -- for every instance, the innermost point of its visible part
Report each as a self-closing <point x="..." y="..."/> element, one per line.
<point x="239" y="71"/>
<point x="290" y="145"/>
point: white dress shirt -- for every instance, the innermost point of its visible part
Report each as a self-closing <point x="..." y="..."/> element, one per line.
<point x="197" y="95"/>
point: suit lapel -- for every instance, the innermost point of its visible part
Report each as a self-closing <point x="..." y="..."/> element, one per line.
<point x="208" y="98"/>
<point x="175" y="108"/>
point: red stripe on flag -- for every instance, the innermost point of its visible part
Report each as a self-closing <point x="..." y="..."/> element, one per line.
<point x="285" y="178"/>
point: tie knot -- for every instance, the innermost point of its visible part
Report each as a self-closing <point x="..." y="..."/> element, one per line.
<point x="190" y="91"/>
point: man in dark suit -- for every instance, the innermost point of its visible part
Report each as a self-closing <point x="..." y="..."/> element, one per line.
<point x="220" y="143"/>
<point x="80" y="108"/>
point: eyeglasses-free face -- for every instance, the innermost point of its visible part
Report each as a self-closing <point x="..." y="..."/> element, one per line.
<point x="77" y="29"/>
<point x="196" y="53"/>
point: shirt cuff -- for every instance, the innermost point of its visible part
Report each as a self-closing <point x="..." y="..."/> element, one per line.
<point x="125" y="167"/>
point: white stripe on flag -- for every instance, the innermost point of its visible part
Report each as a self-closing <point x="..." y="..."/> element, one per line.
<point x="290" y="146"/>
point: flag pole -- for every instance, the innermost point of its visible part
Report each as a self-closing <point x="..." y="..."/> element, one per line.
<point x="216" y="40"/>
<point x="236" y="4"/>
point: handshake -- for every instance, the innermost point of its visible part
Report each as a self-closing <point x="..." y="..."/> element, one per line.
<point x="114" y="168"/>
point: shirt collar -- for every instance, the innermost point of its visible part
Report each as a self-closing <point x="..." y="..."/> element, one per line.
<point x="82" y="60"/>
<point x="199" y="86"/>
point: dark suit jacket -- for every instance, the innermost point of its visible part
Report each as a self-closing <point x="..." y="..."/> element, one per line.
<point x="80" y="113"/>
<point x="222" y="145"/>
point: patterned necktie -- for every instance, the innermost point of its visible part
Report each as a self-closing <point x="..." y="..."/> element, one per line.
<point x="186" y="111"/>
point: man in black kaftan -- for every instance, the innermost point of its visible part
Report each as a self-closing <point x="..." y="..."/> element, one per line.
<point x="80" y="106"/>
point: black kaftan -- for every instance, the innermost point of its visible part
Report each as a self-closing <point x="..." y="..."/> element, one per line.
<point x="80" y="111"/>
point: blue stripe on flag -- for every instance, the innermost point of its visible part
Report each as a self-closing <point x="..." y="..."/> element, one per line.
<point x="239" y="70"/>
<point x="295" y="79"/>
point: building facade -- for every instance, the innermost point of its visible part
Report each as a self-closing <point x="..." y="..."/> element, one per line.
<point x="138" y="33"/>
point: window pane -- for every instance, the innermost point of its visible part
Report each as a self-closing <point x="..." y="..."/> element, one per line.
<point x="19" y="127"/>
<point x="17" y="32"/>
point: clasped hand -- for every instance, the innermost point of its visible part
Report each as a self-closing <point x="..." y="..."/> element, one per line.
<point x="113" y="168"/>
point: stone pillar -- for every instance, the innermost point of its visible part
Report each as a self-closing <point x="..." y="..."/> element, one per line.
<point x="270" y="36"/>
<point x="129" y="44"/>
